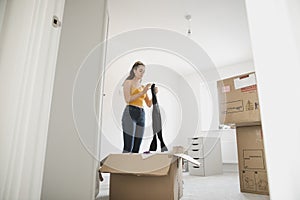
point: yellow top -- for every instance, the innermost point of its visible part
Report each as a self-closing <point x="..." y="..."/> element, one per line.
<point x="139" y="101"/>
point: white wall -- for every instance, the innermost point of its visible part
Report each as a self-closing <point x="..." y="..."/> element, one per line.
<point x="200" y="115"/>
<point x="191" y="118"/>
<point x="175" y="115"/>
<point x="229" y="146"/>
<point x="70" y="168"/>
<point x="274" y="31"/>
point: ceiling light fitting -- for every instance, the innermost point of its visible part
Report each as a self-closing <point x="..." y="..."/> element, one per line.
<point x="188" y="17"/>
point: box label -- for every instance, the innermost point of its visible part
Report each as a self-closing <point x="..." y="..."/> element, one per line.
<point x="234" y="106"/>
<point x="253" y="159"/>
<point x="248" y="181"/>
<point x="255" y="181"/>
<point x="249" y="88"/>
<point x="226" y="89"/>
<point x="262" y="182"/>
<point x="249" y="105"/>
<point x="244" y="81"/>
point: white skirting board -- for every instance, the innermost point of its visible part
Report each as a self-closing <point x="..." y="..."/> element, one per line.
<point x="230" y="167"/>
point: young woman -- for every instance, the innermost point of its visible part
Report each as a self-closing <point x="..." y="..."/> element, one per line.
<point x="133" y="119"/>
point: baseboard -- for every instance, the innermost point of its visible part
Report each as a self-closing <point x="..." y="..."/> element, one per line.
<point x="230" y="167"/>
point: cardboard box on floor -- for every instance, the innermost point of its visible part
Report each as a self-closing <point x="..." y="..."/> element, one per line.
<point x="252" y="164"/>
<point x="145" y="176"/>
<point x="238" y="100"/>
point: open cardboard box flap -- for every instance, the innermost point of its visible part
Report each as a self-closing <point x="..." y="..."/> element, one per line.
<point x="137" y="164"/>
<point x="188" y="158"/>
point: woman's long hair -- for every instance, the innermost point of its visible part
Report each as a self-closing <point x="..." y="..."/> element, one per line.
<point x="131" y="73"/>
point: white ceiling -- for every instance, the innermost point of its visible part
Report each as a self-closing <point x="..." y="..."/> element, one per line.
<point x="219" y="26"/>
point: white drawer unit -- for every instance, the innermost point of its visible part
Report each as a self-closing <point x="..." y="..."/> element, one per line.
<point x="196" y="140"/>
<point x="196" y="153"/>
<point x="197" y="170"/>
<point x="207" y="150"/>
<point x="195" y="146"/>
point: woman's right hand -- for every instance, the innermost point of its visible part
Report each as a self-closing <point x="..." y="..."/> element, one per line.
<point x="146" y="88"/>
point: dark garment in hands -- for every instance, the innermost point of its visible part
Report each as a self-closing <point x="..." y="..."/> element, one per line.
<point x="156" y="124"/>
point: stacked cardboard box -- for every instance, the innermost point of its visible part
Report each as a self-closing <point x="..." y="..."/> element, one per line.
<point x="239" y="106"/>
<point x="252" y="164"/>
<point x="238" y="100"/>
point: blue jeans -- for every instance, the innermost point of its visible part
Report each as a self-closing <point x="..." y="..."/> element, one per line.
<point x="133" y="125"/>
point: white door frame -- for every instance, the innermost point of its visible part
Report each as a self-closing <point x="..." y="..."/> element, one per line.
<point x="23" y="171"/>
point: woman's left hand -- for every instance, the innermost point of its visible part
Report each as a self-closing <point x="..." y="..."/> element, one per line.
<point x="156" y="90"/>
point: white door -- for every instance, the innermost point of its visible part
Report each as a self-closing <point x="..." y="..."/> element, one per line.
<point x="72" y="145"/>
<point x="29" y="44"/>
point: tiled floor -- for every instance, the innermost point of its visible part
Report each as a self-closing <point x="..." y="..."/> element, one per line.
<point x="218" y="187"/>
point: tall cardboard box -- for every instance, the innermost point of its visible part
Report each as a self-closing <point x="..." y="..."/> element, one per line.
<point x="239" y="106"/>
<point x="147" y="177"/>
<point x="238" y="100"/>
<point x="252" y="164"/>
